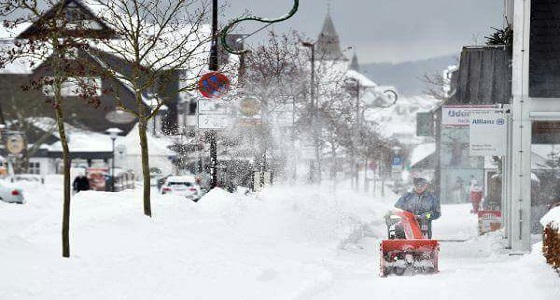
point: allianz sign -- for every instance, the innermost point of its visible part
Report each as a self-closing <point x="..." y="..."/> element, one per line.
<point x="459" y="115"/>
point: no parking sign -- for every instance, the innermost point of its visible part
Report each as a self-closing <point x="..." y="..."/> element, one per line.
<point x="213" y="85"/>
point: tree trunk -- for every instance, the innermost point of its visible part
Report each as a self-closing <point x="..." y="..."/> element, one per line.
<point x="66" y="188"/>
<point x="142" y="127"/>
<point x="58" y="100"/>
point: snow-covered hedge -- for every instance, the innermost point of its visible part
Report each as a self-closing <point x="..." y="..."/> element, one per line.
<point x="551" y="237"/>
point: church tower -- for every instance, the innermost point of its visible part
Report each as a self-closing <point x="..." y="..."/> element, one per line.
<point x="354" y="65"/>
<point x="328" y="44"/>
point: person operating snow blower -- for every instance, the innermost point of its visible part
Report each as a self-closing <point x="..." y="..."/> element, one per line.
<point x="409" y="231"/>
<point x="423" y="204"/>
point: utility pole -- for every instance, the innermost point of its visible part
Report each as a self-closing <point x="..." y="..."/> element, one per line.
<point x="213" y="66"/>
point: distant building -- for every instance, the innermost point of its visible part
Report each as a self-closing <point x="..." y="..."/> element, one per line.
<point x="82" y="25"/>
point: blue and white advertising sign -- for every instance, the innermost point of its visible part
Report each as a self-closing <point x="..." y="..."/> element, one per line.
<point x="459" y="115"/>
<point x="488" y="133"/>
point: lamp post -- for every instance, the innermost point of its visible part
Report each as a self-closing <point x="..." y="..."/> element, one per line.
<point x="388" y="94"/>
<point x="213" y="66"/>
<point x="353" y="169"/>
<point x="113" y="133"/>
<point x="315" y="171"/>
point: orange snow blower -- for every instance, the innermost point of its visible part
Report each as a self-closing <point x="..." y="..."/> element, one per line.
<point x="407" y="248"/>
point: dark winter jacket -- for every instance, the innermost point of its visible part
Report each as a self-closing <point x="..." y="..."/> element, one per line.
<point x="425" y="205"/>
<point x="81" y="183"/>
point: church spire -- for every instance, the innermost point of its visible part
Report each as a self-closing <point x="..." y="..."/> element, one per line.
<point x="354" y="65"/>
<point x="328" y="45"/>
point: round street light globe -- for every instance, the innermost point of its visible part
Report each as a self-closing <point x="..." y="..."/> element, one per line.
<point x="113" y="132"/>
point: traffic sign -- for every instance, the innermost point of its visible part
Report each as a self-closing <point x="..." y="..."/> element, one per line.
<point x="397" y="164"/>
<point x="213" y="107"/>
<point x="213" y="85"/>
<point x="214" y="121"/>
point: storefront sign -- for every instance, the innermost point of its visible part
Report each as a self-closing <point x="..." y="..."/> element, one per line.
<point x="488" y="133"/>
<point x="459" y="115"/>
<point x="489" y="220"/>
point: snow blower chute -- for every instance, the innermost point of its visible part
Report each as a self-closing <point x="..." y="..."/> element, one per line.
<point x="406" y="247"/>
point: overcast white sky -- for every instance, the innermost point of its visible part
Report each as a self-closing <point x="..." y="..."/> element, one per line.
<point x="384" y="30"/>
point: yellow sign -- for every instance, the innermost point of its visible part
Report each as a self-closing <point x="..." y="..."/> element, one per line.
<point x="249" y="107"/>
<point x="15" y="143"/>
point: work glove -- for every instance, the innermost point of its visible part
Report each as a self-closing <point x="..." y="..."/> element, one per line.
<point x="426" y="216"/>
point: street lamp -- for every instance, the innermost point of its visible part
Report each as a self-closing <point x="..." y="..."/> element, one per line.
<point x="314" y="111"/>
<point x="312" y="47"/>
<point x="383" y="94"/>
<point x="113" y="133"/>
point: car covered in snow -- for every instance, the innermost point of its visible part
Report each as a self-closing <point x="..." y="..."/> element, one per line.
<point x="185" y="186"/>
<point x="11" y="193"/>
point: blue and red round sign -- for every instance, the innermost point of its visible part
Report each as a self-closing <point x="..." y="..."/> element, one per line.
<point x="213" y="85"/>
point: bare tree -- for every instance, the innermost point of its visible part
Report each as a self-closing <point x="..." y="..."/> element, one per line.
<point x="434" y="85"/>
<point x="279" y="71"/>
<point x="275" y="77"/>
<point x="47" y="45"/>
<point x="160" y="52"/>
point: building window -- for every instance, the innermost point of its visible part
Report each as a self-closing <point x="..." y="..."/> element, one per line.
<point x="34" y="168"/>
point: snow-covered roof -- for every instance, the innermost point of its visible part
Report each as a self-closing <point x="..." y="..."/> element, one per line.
<point x="420" y="152"/>
<point x="80" y="140"/>
<point x="158" y="146"/>
<point x="18" y="66"/>
<point x="160" y="56"/>
<point x="22" y="64"/>
<point x="187" y="40"/>
<point x="399" y="121"/>
<point x="9" y="33"/>
<point x="361" y="78"/>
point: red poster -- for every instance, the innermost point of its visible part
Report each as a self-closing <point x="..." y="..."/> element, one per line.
<point x="489" y="220"/>
<point x="97" y="178"/>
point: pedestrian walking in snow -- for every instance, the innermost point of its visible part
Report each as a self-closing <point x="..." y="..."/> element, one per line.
<point x="475" y="195"/>
<point x="81" y="183"/>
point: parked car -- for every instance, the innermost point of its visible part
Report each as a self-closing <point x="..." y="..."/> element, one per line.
<point x="10" y="193"/>
<point x="182" y="185"/>
<point x="161" y="181"/>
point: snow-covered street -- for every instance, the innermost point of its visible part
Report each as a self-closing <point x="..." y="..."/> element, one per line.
<point x="283" y="243"/>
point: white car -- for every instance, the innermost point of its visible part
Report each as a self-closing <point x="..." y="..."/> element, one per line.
<point x="185" y="186"/>
<point x="10" y="193"/>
